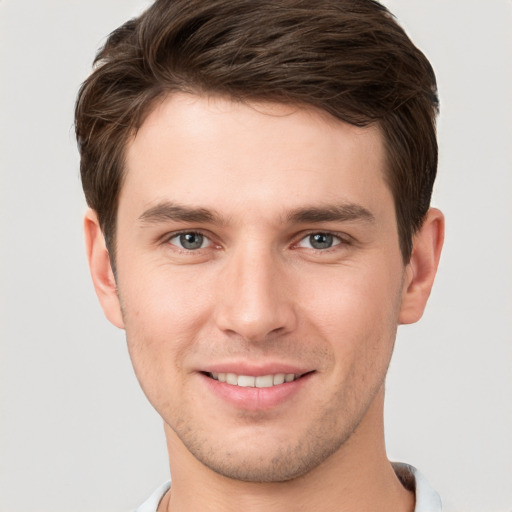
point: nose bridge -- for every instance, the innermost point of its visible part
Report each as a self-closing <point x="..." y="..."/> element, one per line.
<point x="252" y="299"/>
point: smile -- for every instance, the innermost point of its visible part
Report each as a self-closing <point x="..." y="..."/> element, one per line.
<point x="249" y="381"/>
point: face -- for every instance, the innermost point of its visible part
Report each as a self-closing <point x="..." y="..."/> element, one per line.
<point x="260" y="280"/>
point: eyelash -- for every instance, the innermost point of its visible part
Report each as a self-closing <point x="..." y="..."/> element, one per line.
<point x="187" y="232"/>
<point x="342" y="240"/>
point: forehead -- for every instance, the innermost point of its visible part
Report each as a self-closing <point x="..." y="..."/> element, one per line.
<point x="214" y="152"/>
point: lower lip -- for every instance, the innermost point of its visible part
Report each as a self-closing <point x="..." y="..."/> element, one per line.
<point x="255" y="399"/>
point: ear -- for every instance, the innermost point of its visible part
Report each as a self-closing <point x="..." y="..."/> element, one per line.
<point x="422" y="267"/>
<point x="101" y="269"/>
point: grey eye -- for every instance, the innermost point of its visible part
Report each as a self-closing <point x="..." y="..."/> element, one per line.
<point x="189" y="241"/>
<point x="319" y="241"/>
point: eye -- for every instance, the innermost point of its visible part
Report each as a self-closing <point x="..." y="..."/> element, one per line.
<point x="190" y="241"/>
<point x="320" y="241"/>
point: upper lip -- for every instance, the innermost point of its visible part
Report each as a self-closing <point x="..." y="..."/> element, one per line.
<point x="256" y="370"/>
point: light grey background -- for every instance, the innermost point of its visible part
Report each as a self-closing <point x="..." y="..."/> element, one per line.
<point x="76" y="433"/>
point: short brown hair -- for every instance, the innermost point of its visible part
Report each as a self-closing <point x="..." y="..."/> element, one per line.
<point x="349" y="58"/>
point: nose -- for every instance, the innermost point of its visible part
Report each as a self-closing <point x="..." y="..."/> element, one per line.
<point x="254" y="301"/>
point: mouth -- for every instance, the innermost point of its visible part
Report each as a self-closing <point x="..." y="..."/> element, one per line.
<point x="264" y="390"/>
<point x="251" y="381"/>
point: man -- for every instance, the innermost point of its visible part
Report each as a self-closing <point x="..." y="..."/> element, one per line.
<point x="259" y="176"/>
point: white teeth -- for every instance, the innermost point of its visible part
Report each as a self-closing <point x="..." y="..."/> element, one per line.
<point x="265" y="381"/>
<point x="279" y="378"/>
<point x="231" y="378"/>
<point x="248" y="381"/>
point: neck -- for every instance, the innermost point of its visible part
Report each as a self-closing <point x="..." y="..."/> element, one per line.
<point x="356" y="477"/>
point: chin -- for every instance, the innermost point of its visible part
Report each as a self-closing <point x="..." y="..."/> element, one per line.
<point x="276" y="461"/>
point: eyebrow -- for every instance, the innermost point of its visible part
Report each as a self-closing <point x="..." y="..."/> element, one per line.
<point x="168" y="211"/>
<point x="334" y="213"/>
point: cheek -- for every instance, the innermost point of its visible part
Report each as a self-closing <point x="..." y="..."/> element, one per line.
<point x="350" y="295"/>
<point x="356" y="310"/>
<point x="162" y="300"/>
<point x="163" y="314"/>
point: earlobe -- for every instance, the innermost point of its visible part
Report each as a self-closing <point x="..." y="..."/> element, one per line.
<point x="101" y="269"/>
<point x="421" y="269"/>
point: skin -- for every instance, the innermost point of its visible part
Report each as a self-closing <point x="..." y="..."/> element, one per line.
<point x="255" y="182"/>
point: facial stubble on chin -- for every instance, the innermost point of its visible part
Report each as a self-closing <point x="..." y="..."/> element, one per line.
<point x="290" y="461"/>
<point x="328" y="433"/>
<point x="321" y="439"/>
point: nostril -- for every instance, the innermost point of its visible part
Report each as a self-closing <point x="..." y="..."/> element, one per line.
<point x="256" y="321"/>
